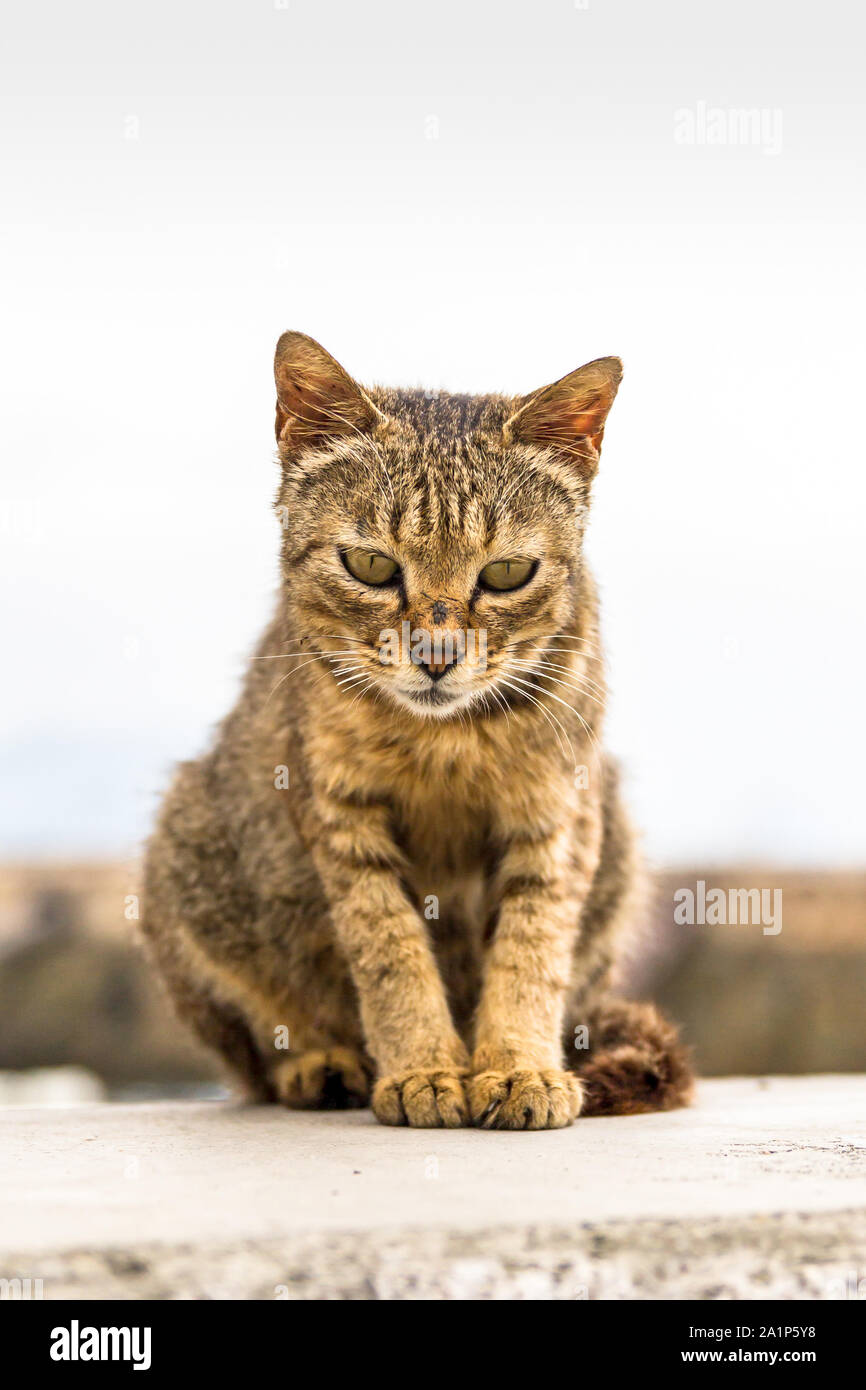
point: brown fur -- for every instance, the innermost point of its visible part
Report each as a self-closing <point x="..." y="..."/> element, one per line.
<point x="438" y="897"/>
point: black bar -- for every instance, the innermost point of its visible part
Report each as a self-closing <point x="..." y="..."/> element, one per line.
<point x="297" y="1338"/>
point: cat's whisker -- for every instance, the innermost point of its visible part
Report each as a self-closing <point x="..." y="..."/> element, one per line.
<point x="554" y="723"/>
<point x="567" y="651"/>
<point x="548" y="714"/>
<point x="319" y="636"/>
<point x="587" y="644"/>
<point x="556" y="637"/>
<point x="284" y="656"/>
<point x="531" y="668"/>
<point x="575" y="653"/>
<point x="560" y="635"/>
<point x="308" y="662"/>
<point x="596" y="692"/>
<point x="542" y="661"/>
<point x="503" y="704"/>
<point x="478" y="698"/>
<point x="371" y="685"/>
<point x="276" y="687"/>
<point x="340" y="671"/>
<point x="317" y="656"/>
<point x="566" y="705"/>
<point x="586" y="681"/>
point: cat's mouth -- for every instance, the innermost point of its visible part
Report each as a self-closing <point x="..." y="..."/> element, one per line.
<point x="434" y="697"/>
<point x="432" y="702"/>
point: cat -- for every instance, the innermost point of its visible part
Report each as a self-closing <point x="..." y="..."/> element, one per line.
<point x="403" y="873"/>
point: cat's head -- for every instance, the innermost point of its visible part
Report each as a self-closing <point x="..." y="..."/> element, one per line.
<point x="432" y="542"/>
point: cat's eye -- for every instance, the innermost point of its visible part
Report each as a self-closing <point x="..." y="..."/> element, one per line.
<point x="369" y="566"/>
<point x="506" y="574"/>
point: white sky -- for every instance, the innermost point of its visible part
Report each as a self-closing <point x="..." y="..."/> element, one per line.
<point x="283" y="175"/>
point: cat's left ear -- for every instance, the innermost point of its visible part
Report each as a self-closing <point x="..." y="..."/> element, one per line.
<point x="317" y="400"/>
<point x="569" y="416"/>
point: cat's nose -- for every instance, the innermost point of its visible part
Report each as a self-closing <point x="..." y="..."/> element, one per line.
<point x="438" y="637"/>
<point x="437" y="669"/>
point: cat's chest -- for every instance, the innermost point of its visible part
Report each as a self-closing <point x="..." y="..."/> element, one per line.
<point x="444" y="836"/>
<point x="442" y="783"/>
<point x="444" y="803"/>
<point x="441" y="835"/>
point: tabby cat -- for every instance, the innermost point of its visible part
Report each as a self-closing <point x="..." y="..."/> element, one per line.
<point x="403" y="872"/>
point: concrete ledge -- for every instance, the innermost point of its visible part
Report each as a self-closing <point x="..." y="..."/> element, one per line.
<point x="759" y="1191"/>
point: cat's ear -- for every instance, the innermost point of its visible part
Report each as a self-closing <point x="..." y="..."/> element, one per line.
<point x="316" y="398"/>
<point x="569" y="416"/>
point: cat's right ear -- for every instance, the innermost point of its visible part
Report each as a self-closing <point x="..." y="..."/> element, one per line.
<point x="569" y="416"/>
<point x="316" y="399"/>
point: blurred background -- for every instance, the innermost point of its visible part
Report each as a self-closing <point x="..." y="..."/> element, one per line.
<point x="475" y="197"/>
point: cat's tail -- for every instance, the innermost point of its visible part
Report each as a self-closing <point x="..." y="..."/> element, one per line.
<point x="636" y="1063"/>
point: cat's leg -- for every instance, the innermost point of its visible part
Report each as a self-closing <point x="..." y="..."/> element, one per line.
<point x="262" y="983"/>
<point x="223" y="1028"/>
<point x="551" y="851"/>
<point x="195" y="993"/>
<point x="408" y="1029"/>
<point x="270" y="1046"/>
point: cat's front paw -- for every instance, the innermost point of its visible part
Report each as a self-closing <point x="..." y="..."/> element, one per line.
<point x="426" y="1098"/>
<point x="524" y="1099"/>
<point x="334" y="1078"/>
